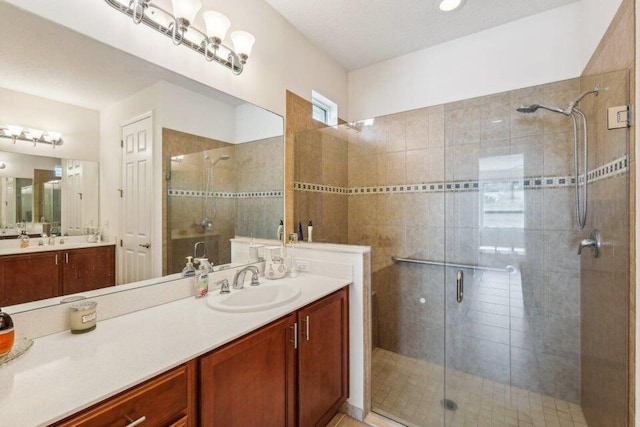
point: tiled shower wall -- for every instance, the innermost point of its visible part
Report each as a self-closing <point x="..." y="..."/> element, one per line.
<point x="247" y="195"/>
<point x="419" y="184"/>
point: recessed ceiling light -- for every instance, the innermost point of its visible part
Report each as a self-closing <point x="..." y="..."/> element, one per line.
<point x="450" y="5"/>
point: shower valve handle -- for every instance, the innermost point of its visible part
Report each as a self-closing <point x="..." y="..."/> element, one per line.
<point x="592" y="242"/>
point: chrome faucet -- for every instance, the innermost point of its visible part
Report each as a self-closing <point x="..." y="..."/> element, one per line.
<point x="195" y="250"/>
<point x="238" y="279"/>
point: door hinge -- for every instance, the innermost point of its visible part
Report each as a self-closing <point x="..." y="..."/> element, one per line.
<point x="120" y="242"/>
<point x="121" y="191"/>
<point x="121" y="143"/>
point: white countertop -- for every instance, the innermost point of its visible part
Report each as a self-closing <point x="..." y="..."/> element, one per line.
<point x="65" y="373"/>
<point x="12" y="247"/>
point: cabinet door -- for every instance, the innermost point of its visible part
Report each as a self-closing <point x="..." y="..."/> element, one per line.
<point x="31" y="277"/>
<point x="323" y="359"/>
<point x="251" y="382"/>
<point x="88" y="268"/>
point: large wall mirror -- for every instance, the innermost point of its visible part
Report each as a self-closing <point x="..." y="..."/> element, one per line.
<point x="217" y="161"/>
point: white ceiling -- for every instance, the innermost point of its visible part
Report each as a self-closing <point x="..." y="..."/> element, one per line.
<point x="48" y="60"/>
<point x="358" y="33"/>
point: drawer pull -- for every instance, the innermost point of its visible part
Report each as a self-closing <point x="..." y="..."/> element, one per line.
<point x="306" y="326"/>
<point x="137" y="422"/>
<point x="295" y="335"/>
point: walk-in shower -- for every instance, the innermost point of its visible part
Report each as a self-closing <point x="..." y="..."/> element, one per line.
<point x="572" y="110"/>
<point x="455" y="194"/>
<point x="208" y="208"/>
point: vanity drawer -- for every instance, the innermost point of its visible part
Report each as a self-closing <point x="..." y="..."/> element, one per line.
<point x="163" y="401"/>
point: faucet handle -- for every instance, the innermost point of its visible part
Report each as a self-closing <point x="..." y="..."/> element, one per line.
<point x="224" y="286"/>
<point x="254" y="279"/>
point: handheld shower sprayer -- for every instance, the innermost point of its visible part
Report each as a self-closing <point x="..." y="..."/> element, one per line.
<point x="573" y="111"/>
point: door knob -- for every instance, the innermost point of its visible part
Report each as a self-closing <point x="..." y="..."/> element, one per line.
<point x="146" y="245"/>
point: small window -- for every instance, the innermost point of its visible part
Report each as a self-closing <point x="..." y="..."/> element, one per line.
<point x="320" y="113"/>
<point x="324" y="110"/>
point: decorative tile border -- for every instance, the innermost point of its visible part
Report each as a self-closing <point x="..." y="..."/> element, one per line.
<point x="319" y="188"/>
<point x="224" y="195"/>
<point x="614" y="168"/>
<point x="611" y="169"/>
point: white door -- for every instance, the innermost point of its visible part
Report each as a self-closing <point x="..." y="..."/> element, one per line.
<point x="137" y="145"/>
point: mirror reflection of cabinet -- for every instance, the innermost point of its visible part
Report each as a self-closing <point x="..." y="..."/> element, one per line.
<point x="79" y="196"/>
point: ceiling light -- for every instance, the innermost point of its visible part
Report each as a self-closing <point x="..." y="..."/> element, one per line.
<point x="450" y="5"/>
<point x="178" y="25"/>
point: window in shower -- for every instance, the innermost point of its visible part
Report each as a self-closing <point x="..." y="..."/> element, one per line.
<point x="501" y="191"/>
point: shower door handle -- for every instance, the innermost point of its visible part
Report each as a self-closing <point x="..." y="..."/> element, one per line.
<point x="459" y="286"/>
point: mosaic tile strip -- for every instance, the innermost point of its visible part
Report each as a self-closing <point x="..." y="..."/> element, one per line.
<point x="319" y="188"/>
<point x="611" y="169"/>
<point x="224" y="195"/>
<point x="614" y="168"/>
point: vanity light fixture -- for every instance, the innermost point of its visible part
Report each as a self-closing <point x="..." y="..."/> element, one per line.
<point x="36" y="136"/>
<point x="3" y="165"/>
<point x="450" y="5"/>
<point x="178" y="25"/>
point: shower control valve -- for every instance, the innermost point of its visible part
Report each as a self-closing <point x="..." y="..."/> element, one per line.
<point x="592" y="242"/>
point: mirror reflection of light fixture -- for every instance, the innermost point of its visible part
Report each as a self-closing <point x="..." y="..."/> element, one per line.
<point x="178" y="25"/>
<point x="36" y="136"/>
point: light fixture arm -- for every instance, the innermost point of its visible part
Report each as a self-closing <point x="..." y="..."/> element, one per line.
<point x="210" y="48"/>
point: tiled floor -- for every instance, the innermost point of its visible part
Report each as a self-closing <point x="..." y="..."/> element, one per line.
<point x="410" y="390"/>
<point x="342" y="420"/>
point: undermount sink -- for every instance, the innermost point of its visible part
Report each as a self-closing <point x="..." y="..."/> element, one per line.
<point x="253" y="298"/>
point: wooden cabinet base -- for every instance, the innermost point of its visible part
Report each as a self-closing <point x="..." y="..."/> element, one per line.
<point x="163" y="401"/>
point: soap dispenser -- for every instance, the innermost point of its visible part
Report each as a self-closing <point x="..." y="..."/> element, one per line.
<point x="189" y="270"/>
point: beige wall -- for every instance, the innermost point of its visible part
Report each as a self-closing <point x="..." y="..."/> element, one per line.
<point x="608" y="284"/>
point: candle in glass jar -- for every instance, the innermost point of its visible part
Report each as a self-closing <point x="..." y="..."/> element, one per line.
<point x="82" y="317"/>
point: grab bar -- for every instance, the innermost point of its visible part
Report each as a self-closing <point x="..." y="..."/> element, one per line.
<point x="510" y="269"/>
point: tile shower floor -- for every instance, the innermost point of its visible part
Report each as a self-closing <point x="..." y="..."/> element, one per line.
<point x="409" y="390"/>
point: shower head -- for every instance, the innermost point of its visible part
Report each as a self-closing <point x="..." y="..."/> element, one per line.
<point x="222" y="157"/>
<point x="528" y="109"/>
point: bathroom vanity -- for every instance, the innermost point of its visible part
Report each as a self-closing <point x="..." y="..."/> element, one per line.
<point x="186" y="364"/>
<point x="40" y="272"/>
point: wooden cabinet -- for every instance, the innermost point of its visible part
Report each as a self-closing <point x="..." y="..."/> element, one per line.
<point x="292" y="372"/>
<point x="263" y="380"/>
<point x="165" y="401"/>
<point x="251" y="382"/>
<point x="40" y="275"/>
<point x="323" y="359"/>
<point x="88" y="268"/>
<point x="30" y="277"/>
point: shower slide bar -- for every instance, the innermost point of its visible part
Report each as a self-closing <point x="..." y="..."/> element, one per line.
<point x="397" y="259"/>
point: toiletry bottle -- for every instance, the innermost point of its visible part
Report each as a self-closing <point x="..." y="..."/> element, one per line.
<point x="300" y="235"/>
<point x="189" y="270"/>
<point x="201" y="282"/>
<point x="280" y="230"/>
<point x="7" y="334"/>
<point x="310" y="232"/>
